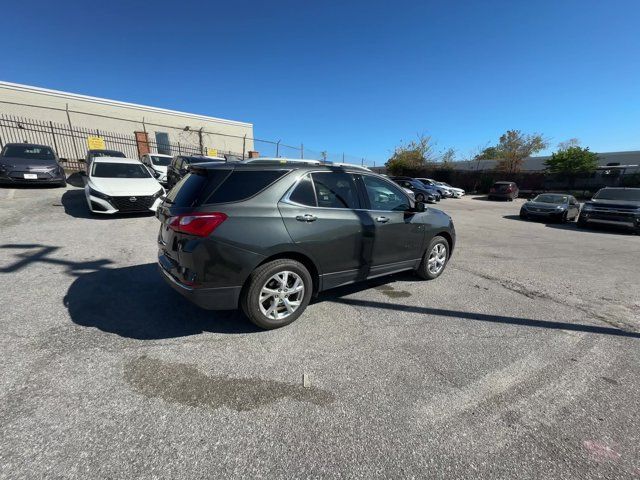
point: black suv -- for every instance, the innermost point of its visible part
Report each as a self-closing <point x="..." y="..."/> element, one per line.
<point x="267" y="236"/>
<point x="618" y="207"/>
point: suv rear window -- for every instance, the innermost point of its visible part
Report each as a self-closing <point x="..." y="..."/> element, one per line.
<point x="241" y="185"/>
<point x="209" y="186"/>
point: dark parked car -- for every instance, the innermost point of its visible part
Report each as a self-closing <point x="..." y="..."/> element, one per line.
<point x="266" y="237"/>
<point x="91" y="154"/>
<point x="551" y="206"/>
<point x="421" y="192"/>
<point x="503" y="191"/>
<point x="180" y="166"/>
<point x="28" y="163"/>
<point x="613" y="206"/>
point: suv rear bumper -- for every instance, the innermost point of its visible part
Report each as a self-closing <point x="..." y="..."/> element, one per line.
<point x="220" y="298"/>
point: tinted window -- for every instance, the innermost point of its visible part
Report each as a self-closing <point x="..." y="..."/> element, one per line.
<point x="241" y="185"/>
<point x="303" y="193"/>
<point x="120" y="170"/>
<point x="383" y="195"/>
<point x="629" y="194"/>
<point x="29" y="151"/>
<point x="335" y="190"/>
<point x="549" y="198"/>
<point x="194" y="188"/>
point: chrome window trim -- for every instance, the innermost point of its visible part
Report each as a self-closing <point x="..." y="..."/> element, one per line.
<point x="287" y="196"/>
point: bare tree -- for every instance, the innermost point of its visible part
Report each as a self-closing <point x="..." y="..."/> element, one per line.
<point x="567" y="144"/>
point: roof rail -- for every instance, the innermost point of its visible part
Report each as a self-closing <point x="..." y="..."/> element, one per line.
<point x="307" y="161"/>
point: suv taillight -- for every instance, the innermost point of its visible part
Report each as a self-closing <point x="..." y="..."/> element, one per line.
<point x="200" y="224"/>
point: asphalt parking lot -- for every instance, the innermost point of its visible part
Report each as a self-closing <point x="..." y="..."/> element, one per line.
<point x="522" y="360"/>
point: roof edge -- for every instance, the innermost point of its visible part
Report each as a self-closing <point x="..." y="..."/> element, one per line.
<point x="106" y="101"/>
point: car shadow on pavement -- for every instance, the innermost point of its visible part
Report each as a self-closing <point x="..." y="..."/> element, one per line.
<point x="135" y="302"/>
<point x="75" y="205"/>
<point x="76" y="179"/>
<point x="483" y="317"/>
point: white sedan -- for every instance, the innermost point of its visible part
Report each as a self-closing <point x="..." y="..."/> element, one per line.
<point x="121" y="185"/>
<point x="157" y="163"/>
<point x="457" y="192"/>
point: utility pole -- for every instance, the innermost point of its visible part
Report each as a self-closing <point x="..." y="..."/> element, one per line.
<point x="278" y="149"/>
<point x="302" y="150"/>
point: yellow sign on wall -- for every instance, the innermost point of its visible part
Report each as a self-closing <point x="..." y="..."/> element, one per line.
<point x="96" y="143"/>
<point x="212" y="152"/>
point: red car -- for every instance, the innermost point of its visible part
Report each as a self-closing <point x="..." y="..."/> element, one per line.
<point x="503" y="191"/>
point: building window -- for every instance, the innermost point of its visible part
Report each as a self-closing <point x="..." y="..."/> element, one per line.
<point x="162" y="143"/>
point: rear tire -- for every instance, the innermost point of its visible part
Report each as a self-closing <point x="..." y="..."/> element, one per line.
<point x="270" y="299"/>
<point x="434" y="260"/>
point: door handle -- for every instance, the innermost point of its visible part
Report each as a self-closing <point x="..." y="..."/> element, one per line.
<point x="382" y="219"/>
<point x="306" y="218"/>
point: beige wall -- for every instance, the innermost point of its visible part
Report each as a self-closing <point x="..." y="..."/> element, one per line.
<point x="120" y="117"/>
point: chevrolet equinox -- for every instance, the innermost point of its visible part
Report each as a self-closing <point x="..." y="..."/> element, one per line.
<point x="266" y="236"/>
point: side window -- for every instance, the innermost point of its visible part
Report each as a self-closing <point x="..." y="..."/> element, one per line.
<point x="303" y="193"/>
<point x="384" y="196"/>
<point x="177" y="163"/>
<point x="335" y="190"/>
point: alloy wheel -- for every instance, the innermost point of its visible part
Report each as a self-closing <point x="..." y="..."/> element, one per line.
<point x="281" y="295"/>
<point x="437" y="258"/>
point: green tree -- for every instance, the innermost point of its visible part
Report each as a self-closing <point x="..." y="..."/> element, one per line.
<point x="411" y="156"/>
<point x="572" y="161"/>
<point x="514" y="146"/>
<point x="488" y="153"/>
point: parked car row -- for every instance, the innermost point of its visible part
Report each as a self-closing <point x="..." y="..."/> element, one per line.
<point x="428" y="190"/>
<point x="614" y="206"/>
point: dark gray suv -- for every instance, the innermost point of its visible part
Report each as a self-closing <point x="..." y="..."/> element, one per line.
<point x="267" y="236"/>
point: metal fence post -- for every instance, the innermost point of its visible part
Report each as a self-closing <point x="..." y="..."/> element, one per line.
<point x="73" y="138"/>
<point x="179" y="150"/>
<point x="53" y="134"/>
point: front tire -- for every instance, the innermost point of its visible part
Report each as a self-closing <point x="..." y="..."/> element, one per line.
<point x="420" y="197"/>
<point x="277" y="293"/>
<point x="581" y="223"/>
<point x="435" y="259"/>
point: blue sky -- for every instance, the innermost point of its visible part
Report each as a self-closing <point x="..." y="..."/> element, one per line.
<point x="350" y="76"/>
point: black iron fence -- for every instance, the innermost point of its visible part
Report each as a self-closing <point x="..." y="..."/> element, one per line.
<point x="71" y="142"/>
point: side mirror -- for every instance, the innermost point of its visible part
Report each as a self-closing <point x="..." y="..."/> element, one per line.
<point x="420" y="207"/>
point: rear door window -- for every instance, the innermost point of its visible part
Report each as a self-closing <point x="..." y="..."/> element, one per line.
<point x="335" y="190"/>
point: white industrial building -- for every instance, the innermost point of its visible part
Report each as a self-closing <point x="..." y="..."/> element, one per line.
<point x="166" y="130"/>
